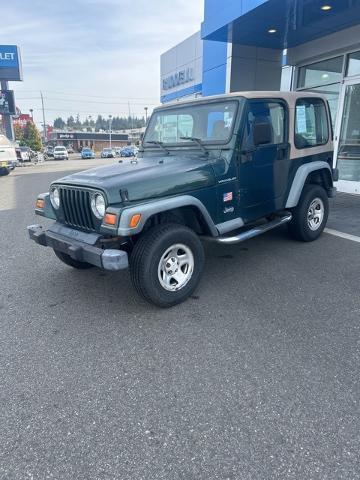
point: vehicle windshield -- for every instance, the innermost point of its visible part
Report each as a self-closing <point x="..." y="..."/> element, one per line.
<point x="60" y="148"/>
<point x="211" y="122"/>
<point x="107" y="150"/>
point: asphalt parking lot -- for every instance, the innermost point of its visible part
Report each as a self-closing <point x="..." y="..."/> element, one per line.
<point x="256" y="377"/>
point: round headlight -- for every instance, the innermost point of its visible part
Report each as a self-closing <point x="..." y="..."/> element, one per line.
<point x="98" y="205"/>
<point x="55" y="197"/>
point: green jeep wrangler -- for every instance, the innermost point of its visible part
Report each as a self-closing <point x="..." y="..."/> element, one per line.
<point x="224" y="168"/>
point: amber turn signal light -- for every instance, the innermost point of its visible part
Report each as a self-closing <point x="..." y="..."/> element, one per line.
<point x="110" y="219"/>
<point x="40" y="203"/>
<point x="135" y="219"/>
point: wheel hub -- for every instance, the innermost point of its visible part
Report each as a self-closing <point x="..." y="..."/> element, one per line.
<point x="316" y="214"/>
<point x="172" y="265"/>
<point x="176" y="267"/>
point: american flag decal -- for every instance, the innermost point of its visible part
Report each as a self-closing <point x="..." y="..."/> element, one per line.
<point x="228" y="197"/>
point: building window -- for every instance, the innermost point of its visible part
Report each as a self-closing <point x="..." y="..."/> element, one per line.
<point x="324" y="78"/>
<point x="321" y="73"/>
<point x="353" y="64"/>
<point x="331" y="92"/>
<point x="311" y="126"/>
<point x="349" y="142"/>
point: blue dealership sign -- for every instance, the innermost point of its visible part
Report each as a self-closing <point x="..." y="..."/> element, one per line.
<point x="10" y="63"/>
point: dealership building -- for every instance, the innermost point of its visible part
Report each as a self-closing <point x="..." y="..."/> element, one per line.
<point x="302" y="45"/>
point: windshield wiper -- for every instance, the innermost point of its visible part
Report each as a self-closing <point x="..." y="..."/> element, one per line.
<point x="161" y="145"/>
<point x="198" y="141"/>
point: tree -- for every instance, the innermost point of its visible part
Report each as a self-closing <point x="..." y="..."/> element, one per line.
<point x="78" y="122"/>
<point x="100" y="123"/>
<point x="70" y="122"/>
<point x="59" y="123"/>
<point x="31" y="137"/>
<point x="19" y="134"/>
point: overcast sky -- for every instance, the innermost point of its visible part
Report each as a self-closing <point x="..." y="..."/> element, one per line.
<point x="92" y="56"/>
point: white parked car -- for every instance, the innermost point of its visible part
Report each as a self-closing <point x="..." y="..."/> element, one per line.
<point x="8" y="160"/>
<point x="60" y="153"/>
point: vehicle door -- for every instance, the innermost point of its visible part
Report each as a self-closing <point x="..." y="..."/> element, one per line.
<point x="264" y="158"/>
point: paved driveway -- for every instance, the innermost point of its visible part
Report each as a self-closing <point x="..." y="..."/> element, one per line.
<point x="256" y="377"/>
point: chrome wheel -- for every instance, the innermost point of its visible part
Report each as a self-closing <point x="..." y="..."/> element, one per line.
<point x="176" y="267"/>
<point x="316" y="214"/>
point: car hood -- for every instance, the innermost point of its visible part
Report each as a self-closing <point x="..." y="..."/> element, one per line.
<point x="148" y="177"/>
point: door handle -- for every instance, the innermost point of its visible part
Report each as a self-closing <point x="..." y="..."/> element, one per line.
<point x="282" y="151"/>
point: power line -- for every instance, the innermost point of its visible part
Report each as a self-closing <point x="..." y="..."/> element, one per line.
<point x="84" y="101"/>
<point x="85" y="112"/>
<point x="91" y="95"/>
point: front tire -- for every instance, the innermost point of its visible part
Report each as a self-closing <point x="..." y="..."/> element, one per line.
<point x="310" y="215"/>
<point x="65" y="258"/>
<point x="4" y="171"/>
<point x="166" y="264"/>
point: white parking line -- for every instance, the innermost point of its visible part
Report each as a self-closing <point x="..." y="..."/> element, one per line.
<point x="7" y="193"/>
<point x="347" y="236"/>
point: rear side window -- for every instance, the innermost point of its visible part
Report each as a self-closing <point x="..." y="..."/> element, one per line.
<point x="311" y="123"/>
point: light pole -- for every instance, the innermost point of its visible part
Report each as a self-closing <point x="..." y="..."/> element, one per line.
<point x="110" y="120"/>
<point x="32" y="114"/>
<point x="146" y="110"/>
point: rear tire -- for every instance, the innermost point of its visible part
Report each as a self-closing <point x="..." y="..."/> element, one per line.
<point x="310" y="215"/>
<point x="166" y="264"/>
<point x="65" y="258"/>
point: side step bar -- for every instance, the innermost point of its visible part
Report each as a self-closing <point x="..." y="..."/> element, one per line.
<point x="253" y="232"/>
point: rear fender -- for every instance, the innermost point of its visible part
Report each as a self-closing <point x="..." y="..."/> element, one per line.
<point x="302" y="177"/>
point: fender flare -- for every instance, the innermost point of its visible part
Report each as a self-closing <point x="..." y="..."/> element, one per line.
<point x="157" y="206"/>
<point x="300" y="178"/>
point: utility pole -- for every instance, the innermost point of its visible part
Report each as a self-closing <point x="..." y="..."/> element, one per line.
<point x="31" y="113"/>
<point x="43" y="114"/>
<point x="7" y="119"/>
<point x="146" y="110"/>
<point x="110" y="120"/>
<point x="132" y="123"/>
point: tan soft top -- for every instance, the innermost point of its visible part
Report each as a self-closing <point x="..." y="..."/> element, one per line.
<point x="289" y="97"/>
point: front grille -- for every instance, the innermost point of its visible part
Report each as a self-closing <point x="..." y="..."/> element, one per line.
<point x="76" y="208"/>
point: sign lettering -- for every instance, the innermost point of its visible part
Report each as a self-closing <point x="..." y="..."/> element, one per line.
<point x="178" y="78"/>
<point x="10" y="63"/>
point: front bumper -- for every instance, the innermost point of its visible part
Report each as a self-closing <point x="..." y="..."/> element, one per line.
<point x="81" y="249"/>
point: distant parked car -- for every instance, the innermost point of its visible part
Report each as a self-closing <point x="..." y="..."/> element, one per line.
<point x="118" y="151"/>
<point x="7" y="156"/>
<point x="87" y="153"/>
<point x="60" y="153"/>
<point x="24" y="154"/>
<point x="49" y="151"/>
<point x="70" y="149"/>
<point x="108" y="153"/>
<point x="129" y="152"/>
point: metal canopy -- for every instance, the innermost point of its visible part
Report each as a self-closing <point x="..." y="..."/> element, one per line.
<point x="278" y="23"/>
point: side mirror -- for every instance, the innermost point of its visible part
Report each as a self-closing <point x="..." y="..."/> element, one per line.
<point x="262" y="133"/>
